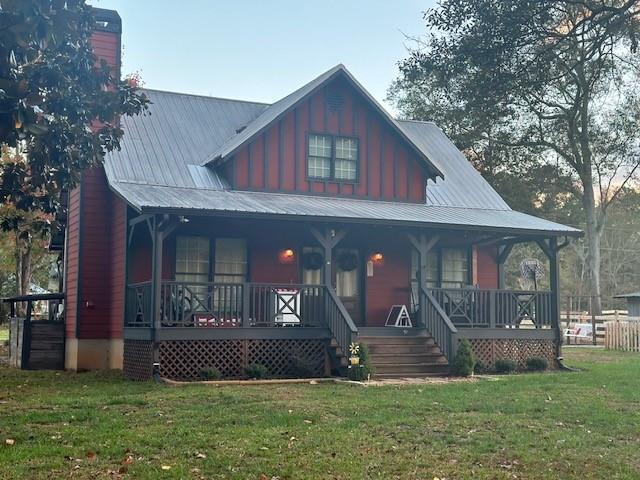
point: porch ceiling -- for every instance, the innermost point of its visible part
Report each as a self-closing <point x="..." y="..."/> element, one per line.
<point x="163" y="199"/>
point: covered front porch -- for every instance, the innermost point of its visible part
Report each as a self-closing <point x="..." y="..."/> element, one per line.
<point x="225" y="292"/>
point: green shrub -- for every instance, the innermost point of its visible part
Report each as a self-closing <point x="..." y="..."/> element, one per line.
<point x="365" y="369"/>
<point x="505" y="365"/>
<point x="537" y="364"/>
<point x="210" y="374"/>
<point x="256" y="371"/>
<point x="464" y="361"/>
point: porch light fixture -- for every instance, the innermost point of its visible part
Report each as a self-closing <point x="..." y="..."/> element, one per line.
<point x="183" y="219"/>
<point x="377" y="258"/>
<point x="287" y="256"/>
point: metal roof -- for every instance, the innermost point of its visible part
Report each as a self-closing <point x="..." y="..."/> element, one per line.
<point x="168" y="146"/>
<point x="628" y="295"/>
<point x="152" y="198"/>
<point x="462" y="186"/>
<point x="282" y="106"/>
<point x="160" y="167"/>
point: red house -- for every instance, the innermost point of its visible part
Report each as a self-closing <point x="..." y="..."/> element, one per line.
<point x="228" y="233"/>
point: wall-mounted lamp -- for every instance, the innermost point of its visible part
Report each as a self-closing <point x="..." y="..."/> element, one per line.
<point x="183" y="219"/>
<point x="287" y="255"/>
<point x="377" y="258"/>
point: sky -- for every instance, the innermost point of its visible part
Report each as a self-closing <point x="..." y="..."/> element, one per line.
<point x="264" y="50"/>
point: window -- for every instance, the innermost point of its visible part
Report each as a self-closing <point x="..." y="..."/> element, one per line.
<point x="332" y="158"/>
<point x="192" y="267"/>
<point x="455" y="268"/>
<point x="231" y="260"/>
<point x="346" y="276"/>
<point x="346" y="161"/>
<point x="319" y="163"/>
<point x="192" y="259"/>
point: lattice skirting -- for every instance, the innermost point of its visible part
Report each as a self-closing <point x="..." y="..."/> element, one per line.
<point x="137" y="361"/>
<point x="487" y="351"/>
<point x="185" y="359"/>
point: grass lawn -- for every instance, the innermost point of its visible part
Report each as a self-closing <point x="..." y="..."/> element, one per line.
<point x="558" y="425"/>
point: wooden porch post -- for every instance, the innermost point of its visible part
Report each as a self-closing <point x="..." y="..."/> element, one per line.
<point x="328" y="239"/>
<point x="551" y="249"/>
<point x="422" y="245"/>
<point x="160" y="230"/>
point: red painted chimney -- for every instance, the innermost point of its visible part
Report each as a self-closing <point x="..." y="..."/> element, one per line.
<point x="106" y="39"/>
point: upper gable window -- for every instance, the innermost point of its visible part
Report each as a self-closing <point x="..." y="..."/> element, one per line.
<point x="332" y="158"/>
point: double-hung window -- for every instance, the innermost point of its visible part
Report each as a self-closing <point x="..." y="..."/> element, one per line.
<point x="332" y="158"/>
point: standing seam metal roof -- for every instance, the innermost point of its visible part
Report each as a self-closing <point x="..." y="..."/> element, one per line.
<point x="163" y="156"/>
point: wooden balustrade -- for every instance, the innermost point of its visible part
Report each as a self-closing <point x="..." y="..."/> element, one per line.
<point x="478" y="308"/>
<point x="436" y="321"/>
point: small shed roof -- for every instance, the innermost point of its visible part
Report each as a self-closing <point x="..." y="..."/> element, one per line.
<point x="628" y="295"/>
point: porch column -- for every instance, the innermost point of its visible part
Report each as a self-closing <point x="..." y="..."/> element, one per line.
<point x="422" y="245"/>
<point x="328" y="239"/>
<point x="161" y="228"/>
<point x="551" y="249"/>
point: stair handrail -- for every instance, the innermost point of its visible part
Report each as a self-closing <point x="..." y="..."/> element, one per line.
<point x="345" y="331"/>
<point x="444" y="334"/>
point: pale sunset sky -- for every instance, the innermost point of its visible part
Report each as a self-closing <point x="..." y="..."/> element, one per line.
<point x="263" y="50"/>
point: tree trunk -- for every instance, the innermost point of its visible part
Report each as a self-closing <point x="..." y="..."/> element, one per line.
<point x="23" y="269"/>
<point x="593" y="244"/>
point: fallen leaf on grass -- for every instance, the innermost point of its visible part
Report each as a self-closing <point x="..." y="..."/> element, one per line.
<point x="166" y="467"/>
<point x="10" y="441"/>
<point x="200" y="455"/>
<point x="91" y="455"/>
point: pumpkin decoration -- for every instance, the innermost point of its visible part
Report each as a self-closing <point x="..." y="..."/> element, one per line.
<point x="312" y="260"/>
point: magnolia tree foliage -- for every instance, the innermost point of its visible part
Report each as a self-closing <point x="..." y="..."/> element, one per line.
<point x="59" y="111"/>
<point x="59" y="105"/>
<point x="542" y="96"/>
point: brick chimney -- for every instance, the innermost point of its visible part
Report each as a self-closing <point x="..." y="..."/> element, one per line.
<point x="106" y="39"/>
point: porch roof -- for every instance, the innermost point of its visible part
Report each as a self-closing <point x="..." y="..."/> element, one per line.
<point x="155" y="198"/>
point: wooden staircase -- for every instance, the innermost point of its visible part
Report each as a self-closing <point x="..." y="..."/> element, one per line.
<point x="395" y="356"/>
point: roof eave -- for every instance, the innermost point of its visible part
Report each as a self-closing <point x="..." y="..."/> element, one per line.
<point x="339" y="219"/>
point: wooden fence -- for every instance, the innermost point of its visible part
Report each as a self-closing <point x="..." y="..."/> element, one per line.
<point x="623" y="334"/>
<point x="568" y="320"/>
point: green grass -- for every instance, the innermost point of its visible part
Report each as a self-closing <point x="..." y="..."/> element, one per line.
<point x="556" y="425"/>
<point x="4" y="333"/>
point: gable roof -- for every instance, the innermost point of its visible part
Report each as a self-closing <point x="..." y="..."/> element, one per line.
<point x="160" y="167"/>
<point x="276" y="111"/>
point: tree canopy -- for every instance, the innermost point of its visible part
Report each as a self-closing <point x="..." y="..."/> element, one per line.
<point x="59" y="105"/>
<point x="541" y="95"/>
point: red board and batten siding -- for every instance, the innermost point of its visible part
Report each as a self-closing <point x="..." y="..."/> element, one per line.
<point x="486" y="268"/>
<point x="72" y="262"/>
<point x="276" y="160"/>
<point x="95" y="250"/>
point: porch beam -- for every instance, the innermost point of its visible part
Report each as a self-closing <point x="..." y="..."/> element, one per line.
<point x="140" y="218"/>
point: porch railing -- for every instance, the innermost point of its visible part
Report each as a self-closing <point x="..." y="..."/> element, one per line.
<point x="138" y="305"/>
<point x="248" y="305"/>
<point x="437" y="322"/>
<point x="478" y="308"/>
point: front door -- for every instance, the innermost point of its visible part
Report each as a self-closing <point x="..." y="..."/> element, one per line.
<point x="348" y="281"/>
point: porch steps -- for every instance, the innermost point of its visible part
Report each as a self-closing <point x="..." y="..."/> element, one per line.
<point x="405" y="356"/>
